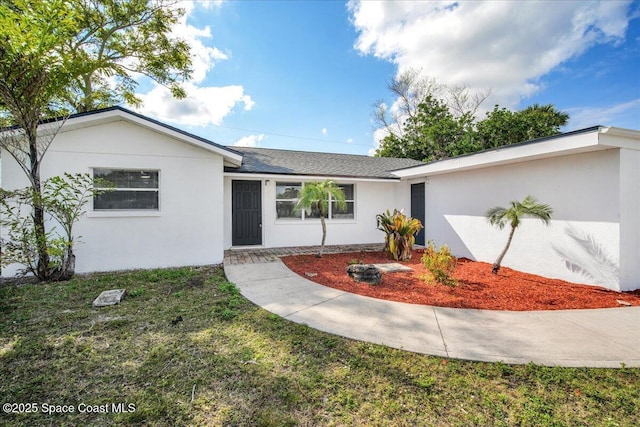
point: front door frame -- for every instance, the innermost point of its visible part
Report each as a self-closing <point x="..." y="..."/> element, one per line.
<point x="249" y="232"/>
<point x="418" y="208"/>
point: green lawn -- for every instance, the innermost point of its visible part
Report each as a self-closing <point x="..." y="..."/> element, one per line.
<point x="229" y="362"/>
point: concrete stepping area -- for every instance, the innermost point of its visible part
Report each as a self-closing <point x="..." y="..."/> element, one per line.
<point x="572" y="338"/>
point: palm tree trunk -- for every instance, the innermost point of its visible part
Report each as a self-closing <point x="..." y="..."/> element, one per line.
<point x="324" y="235"/>
<point x="324" y="228"/>
<point x="496" y="265"/>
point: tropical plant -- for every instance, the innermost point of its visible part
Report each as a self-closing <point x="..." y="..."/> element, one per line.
<point x="64" y="199"/>
<point x="400" y="231"/>
<point x="316" y="196"/>
<point x="500" y="216"/>
<point x="440" y="263"/>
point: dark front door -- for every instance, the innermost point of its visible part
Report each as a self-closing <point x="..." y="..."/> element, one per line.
<point x="417" y="208"/>
<point x="246" y="213"/>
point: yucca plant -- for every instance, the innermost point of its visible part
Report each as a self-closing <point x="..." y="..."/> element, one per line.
<point x="400" y="231"/>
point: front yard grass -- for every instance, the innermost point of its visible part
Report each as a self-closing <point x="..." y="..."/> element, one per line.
<point x="185" y="348"/>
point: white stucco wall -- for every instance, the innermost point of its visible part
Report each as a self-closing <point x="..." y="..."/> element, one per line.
<point x="583" y="242"/>
<point x="187" y="228"/>
<point x="629" y="219"/>
<point x="372" y="197"/>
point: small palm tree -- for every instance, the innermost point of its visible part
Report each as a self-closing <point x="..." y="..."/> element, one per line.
<point x="529" y="207"/>
<point x="316" y="195"/>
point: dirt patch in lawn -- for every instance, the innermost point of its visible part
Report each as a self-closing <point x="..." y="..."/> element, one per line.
<point x="477" y="286"/>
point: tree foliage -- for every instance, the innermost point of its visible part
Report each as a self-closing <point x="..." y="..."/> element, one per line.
<point x="504" y="127"/>
<point x="432" y="133"/>
<point x="96" y="49"/>
<point x="120" y="40"/>
<point x="63" y="199"/>
<point x="411" y="90"/>
<point x="432" y="122"/>
<point x="32" y="70"/>
<point x="32" y="76"/>
<point x="63" y="56"/>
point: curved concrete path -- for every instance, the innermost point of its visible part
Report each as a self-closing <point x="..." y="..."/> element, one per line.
<point x="589" y="338"/>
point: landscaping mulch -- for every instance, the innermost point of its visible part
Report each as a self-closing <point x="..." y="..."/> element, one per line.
<point x="476" y="286"/>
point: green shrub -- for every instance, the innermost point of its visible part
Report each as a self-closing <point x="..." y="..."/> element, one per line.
<point x="440" y="264"/>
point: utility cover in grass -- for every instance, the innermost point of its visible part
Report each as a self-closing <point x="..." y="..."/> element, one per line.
<point x="392" y="267"/>
<point x="111" y="297"/>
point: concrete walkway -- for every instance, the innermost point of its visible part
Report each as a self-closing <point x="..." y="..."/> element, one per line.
<point x="589" y="338"/>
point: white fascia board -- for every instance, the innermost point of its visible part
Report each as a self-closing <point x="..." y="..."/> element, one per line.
<point x="620" y="138"/>
<point x="109" y="116"/>
<point x="282" y="177"/>
<point x="570" y="144"/>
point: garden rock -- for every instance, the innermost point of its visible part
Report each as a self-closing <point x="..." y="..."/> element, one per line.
<point x="392" y="267"/>
<point x="365" y="273"/>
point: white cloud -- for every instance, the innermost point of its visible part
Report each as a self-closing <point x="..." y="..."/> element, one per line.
<point x="203" y="57"/>
<point x="210" y="4"/>
<point x="350" y="141"/>
<point x="621" y="115"/>
<point x="249" y="141"/>
<point x="203" y="105"/>
<point x="503" y="46"/>
<point x="324" y="131"/>
<point x="378" y="135"/>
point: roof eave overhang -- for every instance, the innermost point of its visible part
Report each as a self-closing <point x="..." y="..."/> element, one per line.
<point x="620" y="138"/>
<point x="567" y="145"/>
<point x="231" y="158"/>
<point x="284" y="176"/>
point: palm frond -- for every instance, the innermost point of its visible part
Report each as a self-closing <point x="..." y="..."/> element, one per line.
<point x="529" y="207"/>
<point x="589" y="258"/>
<point x="496" y="216"/>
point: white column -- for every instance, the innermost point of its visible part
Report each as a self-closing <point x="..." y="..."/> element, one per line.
<point x="629" y="219"/>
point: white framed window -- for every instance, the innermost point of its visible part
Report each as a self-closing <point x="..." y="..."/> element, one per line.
<point x="349" y="211"/>
<point x="132" y="189"/>
<point x="288" y="195"/>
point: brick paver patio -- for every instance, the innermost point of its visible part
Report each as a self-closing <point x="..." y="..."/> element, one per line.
<point x="258" y="255"/>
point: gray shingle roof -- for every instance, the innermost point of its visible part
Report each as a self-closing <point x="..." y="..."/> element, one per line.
<point x="287" y="162"/>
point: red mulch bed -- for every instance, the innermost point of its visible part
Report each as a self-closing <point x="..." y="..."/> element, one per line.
<point x="477" y="286"/>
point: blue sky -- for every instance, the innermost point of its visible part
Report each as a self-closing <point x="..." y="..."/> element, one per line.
<point x="304" y="74"/>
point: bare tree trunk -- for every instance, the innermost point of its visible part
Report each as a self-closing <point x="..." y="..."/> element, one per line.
<point x="66" y="270"/>
<point x="42" y="269"/>
<point x="496" y="265"/>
